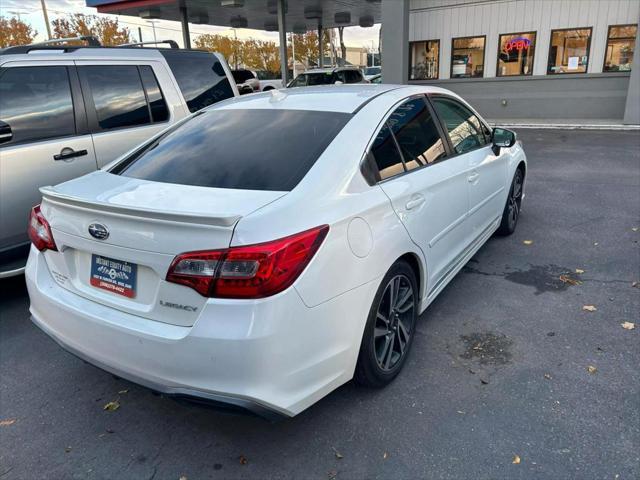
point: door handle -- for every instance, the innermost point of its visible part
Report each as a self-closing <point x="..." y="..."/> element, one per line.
<point x="473" y="177"/>
<point x="67" y="153"/>
<point x="415" y="202"/>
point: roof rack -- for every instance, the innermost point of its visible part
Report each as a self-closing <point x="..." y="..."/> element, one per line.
<point x="171" y="43"/>
<point x="91" y="40"/>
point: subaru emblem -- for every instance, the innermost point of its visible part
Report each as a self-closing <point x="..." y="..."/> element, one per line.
<point x="99" y="231"/>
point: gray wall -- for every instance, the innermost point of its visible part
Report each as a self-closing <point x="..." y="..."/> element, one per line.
<point x="570" y="97"/>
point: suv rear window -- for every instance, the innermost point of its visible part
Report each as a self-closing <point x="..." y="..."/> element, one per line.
<point x="200" y="76"/>
<point x="239" y="149"/>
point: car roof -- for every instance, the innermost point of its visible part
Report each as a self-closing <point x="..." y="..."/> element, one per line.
<point x="327" y="98"/>
<point x="330" y="69"/>
<point x="40" y="52"/>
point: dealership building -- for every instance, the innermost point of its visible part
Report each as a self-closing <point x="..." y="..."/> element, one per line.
<point x="557" y="61"/>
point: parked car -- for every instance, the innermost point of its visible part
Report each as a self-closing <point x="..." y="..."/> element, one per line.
<point x="244" y="77"/>
<point x="66" y="111"/>
<point x="327" y="76"/>
<point x="370" y="72"/>
<point x="264" y="270"/>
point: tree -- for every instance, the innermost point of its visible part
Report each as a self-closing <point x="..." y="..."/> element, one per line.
<point x="343" y="47"/>
<point x="15" y="32"/>
<point x="307" y="46"/>
<point x="106" y="29"/>
<point x="261" y="55"/>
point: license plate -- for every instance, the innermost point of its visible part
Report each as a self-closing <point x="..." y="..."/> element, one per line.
<point x="114" y="275"/>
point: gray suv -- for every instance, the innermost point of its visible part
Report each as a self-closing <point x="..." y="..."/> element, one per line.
<point x="66" y="111"/>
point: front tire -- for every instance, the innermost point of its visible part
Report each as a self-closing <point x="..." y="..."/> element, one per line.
<point x="511" y="211"/>
<point x="389" y="332"/>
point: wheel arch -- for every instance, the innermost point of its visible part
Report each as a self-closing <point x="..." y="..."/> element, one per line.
<point x="419" y="270"/>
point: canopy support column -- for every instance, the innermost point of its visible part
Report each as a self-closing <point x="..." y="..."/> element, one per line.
<point x="184" y="20"/>
<point x="282" y="31"/>
<point x="320" y="46"/>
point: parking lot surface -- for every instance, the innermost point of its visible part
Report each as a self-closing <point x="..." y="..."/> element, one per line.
<point x="497" y="385"/>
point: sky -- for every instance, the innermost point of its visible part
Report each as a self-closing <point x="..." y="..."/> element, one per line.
<point x="30" y="11"/>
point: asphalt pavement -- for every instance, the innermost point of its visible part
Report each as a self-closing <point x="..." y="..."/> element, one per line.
<point x="497" y="386"/>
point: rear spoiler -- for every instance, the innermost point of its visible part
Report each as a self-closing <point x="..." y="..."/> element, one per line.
<point x="56" y="198"/>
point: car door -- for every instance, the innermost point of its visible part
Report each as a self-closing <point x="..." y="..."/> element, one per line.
<point x="45" y="140"/>
<point x="426" y="185"/>
<point x="486" y="179"/>
<point x="125" y="106"/>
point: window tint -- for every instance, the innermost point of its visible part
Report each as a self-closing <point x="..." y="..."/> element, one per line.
<point x="22" y="89"/>
<point x="241" y="76"/>
<point x="159" y="111"/>
<point x="465" y="130"/>
<point x="621" y="42"/>
<point x="424" y="60"/>
<point x="213" y="149"/>
<point x="200" y="76"/>
<point x="117" y="95"/>
<point x="467" y="57"/>
<point x="386" y="154"/>
<point x="353" y="76"/>
<point x="416" y="133"/>
<point x="569" y="50"/>
<point x="515" y="54"/>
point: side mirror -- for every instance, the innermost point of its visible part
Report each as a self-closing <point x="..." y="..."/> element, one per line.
<point x="338" y="82"/>
<point x="5" y="132"/>
<point x="501" y="137"/>
<point x="244" y="89"/>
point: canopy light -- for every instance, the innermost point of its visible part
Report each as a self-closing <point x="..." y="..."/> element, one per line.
<point x="300" y="28"/>
<point x="232" y="3"/>
<point x="312" y="12"/>
<point x="271" y="26"/>
<point x="366" y="21"/>
<point x="342" y="17"/>
<point x="150" y="13"/>
<point x="272" y="7"/>
<point x="238" y="22"/>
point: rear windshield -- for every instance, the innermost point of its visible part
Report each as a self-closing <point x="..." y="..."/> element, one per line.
<point x="240" y="149"/>
<point x="312" y="79"/>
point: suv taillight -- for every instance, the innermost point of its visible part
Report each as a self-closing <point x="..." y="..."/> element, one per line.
<point x="40" y="231"/>
<point x="252" y="271"/>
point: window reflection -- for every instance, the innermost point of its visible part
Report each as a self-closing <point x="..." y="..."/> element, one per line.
<point x="425" y="60"/>
<point x="465" y="130"/>
<point x="569" y="51"/>
<point x="467" y="57"/>
<point x="621" y="42"/>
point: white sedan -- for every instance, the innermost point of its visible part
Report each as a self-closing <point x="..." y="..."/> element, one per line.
<point x="263" y="267"/>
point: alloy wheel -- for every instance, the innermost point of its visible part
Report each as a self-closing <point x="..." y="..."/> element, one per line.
<point x="394" y="322"/>
<point x="515" y="198"/>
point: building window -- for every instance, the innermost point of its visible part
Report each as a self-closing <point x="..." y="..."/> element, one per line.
<point x="569" y="50"/>
<point x="620" y="44"/>
<point x="467" y="57"/>
<point x="515" y="54"/>
<point x="425" y="60"/>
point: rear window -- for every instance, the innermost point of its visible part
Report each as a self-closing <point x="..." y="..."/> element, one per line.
<point x="240" y="149"/>
<point x="201" y="77"/>
<point x="312" y="79"/>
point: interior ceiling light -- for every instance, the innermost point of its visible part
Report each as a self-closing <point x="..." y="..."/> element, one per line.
<point x="150" y="13"/>
<point x="238" y="22"/>
<point x="366" y="21"/>
<point x="312" y="12"/>
<point x="232" y="3"/>
<point x="342" y="17"/>
<point x="271" y="26"/>
<point x="272" y="7"/>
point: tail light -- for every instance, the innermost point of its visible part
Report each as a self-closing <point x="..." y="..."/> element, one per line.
<point x="40" y="231"/>
<point x="252" y="271"/>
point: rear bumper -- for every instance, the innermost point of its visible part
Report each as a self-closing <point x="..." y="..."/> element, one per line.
<point x="271" y="356"/>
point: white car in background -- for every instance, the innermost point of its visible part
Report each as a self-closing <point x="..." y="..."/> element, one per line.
<point x="328" y="76"/>
<point x="371" y="72"/>
<point x="271" y="248"/>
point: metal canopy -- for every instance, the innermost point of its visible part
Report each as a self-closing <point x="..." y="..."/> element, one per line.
<point x="257" y="14"/>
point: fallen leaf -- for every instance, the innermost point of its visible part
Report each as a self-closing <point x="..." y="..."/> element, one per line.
<point x="528" y="242"/>
<point x="595" y="244"/>
<point x="591" y="369"/>
<point x="183" y="477"/>
<point x="337" y="453"/>
<point x="67" y="449"/>
<point x="579" y="271"/>
<point x="628" y="325"/>
<point x="547" y="376"/>
<point x="112" y="406"/>
<point x="332" y="474"/>
<point x="635" y="284"/>
<point x="484" y="382"/>
<point x="569" y="280"/>
<point x="385" y="456"/>
<point x="243" y="460"/>
<point x="108" y="430"/>
<point x="589" y="308"/>
<point x="122" y="392"/>
<point x="635" y="229"/>
<point x="516" y="459"/>
<point x="461" y="412"/>
<point x="6" y="423"/>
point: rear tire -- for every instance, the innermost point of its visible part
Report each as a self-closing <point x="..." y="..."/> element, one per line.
<point x="511" y="212"/>
<point x="388" y="334"/>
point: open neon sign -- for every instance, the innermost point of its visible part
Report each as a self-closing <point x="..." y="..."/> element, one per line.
<point x="519" y="43"/>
